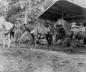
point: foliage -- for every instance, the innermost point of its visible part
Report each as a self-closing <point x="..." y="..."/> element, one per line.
<point x="3" y="7"/>
<point x="28" y="9"/>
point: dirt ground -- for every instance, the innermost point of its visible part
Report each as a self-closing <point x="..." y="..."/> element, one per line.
<point x="30" y="58"/>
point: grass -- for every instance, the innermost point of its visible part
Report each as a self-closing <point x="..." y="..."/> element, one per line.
<point x="32" y="58"/>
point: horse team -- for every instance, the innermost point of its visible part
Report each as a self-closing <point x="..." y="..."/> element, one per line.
<point x="62" y="32"/>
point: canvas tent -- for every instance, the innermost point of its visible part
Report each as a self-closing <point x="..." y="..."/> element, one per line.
<point x="68" y="10"/>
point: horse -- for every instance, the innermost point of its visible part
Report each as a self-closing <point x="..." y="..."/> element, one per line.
<point x="25" y="32"/>
<point x="42" y="32"/>
<point x="6" y="33"/>
<point x="62" y="31"/>
<point x="79" y="33"/>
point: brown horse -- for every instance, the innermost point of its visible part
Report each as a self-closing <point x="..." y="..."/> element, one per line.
<point x="62" y="30"/>
<point x="80" y="35"/>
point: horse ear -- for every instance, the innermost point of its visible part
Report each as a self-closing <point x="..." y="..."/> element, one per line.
<point x="3" y="26"/>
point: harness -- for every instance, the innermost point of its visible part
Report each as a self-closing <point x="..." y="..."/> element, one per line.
<point x="40" y="32"/>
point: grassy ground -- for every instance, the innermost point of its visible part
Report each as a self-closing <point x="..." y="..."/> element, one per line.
<point x="78" y="50"/>
<point x="30" y="58"/>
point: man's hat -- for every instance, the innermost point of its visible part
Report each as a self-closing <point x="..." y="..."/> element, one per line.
<point x="18" y="19"/>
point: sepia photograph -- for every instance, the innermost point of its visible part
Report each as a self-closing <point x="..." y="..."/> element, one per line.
<point x="42" y="36"/>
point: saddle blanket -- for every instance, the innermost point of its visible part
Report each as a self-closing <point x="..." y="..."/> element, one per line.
<point x="75" y="30"/>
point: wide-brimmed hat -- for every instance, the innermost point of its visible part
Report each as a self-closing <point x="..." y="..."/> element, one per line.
<point x="18" y="19"/>
<point x="73" y="24"/>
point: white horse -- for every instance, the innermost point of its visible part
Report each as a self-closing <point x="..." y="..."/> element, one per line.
<point x="4" y="35"/>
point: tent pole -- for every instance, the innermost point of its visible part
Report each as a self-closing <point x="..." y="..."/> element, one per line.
<point x="62" y="17"/>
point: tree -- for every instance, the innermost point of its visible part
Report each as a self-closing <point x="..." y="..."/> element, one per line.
<point x="29" y="8"/>
<point x="3" y="7"/>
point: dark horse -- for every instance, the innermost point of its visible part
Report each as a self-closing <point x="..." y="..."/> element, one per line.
<point x="81" y="35"/>
<point x="39" y="35"/>
<point x="48" y="37"/>
<point x="60" y="33"/>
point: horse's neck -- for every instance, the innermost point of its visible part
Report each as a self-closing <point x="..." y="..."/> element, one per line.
<point x="3" y="27"/>
<point x="37" y="31"/>
<point x="13" y="28"/>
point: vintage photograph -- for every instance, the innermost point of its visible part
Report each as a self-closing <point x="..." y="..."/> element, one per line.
<point x="42" y="35"/>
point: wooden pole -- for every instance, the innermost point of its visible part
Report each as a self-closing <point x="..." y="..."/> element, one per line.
<point x="62" y="17"/>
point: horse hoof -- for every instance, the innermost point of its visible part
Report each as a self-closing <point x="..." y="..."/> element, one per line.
<point x="70" y="51"/>
<point x="48" y="49"/>
<point x="8" y="46"/>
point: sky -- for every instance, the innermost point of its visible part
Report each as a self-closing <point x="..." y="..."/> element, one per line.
<point x="81" y="3"/>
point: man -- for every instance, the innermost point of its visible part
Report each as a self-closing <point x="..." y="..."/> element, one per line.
<point x="17" y="24"/>
<point x="17" y="30"/>
<point x="81" y="27"/>
<point x="74" y="28"/>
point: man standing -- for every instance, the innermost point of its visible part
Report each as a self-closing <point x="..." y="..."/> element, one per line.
<point x="17" y="30"/>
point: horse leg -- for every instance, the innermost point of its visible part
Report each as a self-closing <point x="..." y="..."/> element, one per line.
<point x="73" y="44"/>
<point x="9" y="43"/>
<point x="33" y="38"/>
<point x="46" y="36"/>
<point x="54" y="39"/>
<point x="9" y="39"/>
<point x="57" y="39"/>
<point x="4" y="40"/>
<point x="4" y="44"/>
<point x="49" y="40"/>
<point x="85" y="41"/>
<point x="48" y="44"/>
